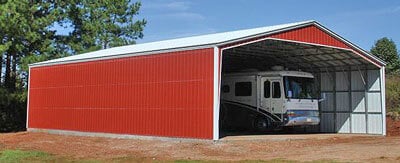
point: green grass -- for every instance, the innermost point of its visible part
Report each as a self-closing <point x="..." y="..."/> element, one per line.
<point x="11" y="156"/>
<point x="19" y="156"/>
<point x="39" y="156"/>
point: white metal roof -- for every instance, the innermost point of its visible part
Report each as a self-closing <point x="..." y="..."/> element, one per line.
<point x="187" y="42"/>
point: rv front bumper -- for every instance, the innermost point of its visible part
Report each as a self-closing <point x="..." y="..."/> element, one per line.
<point x="302" y="121"/>
<point x="302" y="118"/>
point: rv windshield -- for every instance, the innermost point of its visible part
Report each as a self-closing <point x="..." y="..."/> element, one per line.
<point x="299" y="87"/>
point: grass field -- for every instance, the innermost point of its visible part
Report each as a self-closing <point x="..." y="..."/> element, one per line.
<point x="39" y="156"/>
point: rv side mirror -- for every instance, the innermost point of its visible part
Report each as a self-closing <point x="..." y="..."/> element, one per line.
<point x="289" y="94"/>
<point x="323" y="97"/>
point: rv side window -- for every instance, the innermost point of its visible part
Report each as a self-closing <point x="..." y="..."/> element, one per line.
<point x="276" y="90"/>
<point x="267" y="88"/>
<point x="225" y="89"/>
<point x="243" y="89"/>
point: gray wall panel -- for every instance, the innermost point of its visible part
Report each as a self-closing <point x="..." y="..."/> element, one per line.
<point x="342" y="101"/>
<point x="343" y="122"/>
<point x="373" y="80"/>
<point x="357" y="80"/>
<point x="327" y="104"/>
<point x="358" y="123"/>
<point x="375" y="123"/>
<point x="358" y="102"/>
<point x="374" y="102"/>
<point x="342" y="81"/>
<point x="327" y="122"/>
<point x="327" y="82"/>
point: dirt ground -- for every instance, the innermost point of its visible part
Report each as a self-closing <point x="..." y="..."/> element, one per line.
<point x="299" y="147"/>
<point x="393" y="127"/>
<point x="308" y="147"/>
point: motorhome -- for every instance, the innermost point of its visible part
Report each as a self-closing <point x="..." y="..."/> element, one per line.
<point x="263" y="100"/>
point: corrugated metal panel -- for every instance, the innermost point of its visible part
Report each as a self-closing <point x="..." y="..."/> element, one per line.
<point x="311" y="34"/>
<point x="342" y="81"/>
<point x="358" y="123"/>
<point x="327" y="82"/>
<point x="343" y="101"/>
<point x="374" y="123"/>
<point x="374" y="102"/>
<point x="327" y="104"/>
<point x="374" y="80"/>
<point x="327" y="122"/>
<point x="168" y="94"/>
<point x="357" y="82"/>
<point x="358" y="102"/>
<point x="343" y="122"/>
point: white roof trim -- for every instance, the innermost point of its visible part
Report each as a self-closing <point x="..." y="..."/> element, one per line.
<point x="202" y="40"/>
<point x="194" y="42"/>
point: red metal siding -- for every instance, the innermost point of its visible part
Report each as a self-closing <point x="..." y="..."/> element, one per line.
<point x="310" y="34"/>
<point x="169" y="94"/>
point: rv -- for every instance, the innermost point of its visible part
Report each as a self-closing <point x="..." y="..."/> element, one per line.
<point x="263" y="100"/>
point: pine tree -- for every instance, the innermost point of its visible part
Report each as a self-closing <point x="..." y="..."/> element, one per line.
<point x="103" y="24"/>
<point x="386" y="50"/>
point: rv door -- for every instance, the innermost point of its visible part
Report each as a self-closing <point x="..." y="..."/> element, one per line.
<point x="271" y="94"/>
<point x="265" y="93"/>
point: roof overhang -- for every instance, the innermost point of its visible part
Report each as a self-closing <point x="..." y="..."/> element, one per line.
<point x="263" y="54"/>
<point x="221" y="40"/>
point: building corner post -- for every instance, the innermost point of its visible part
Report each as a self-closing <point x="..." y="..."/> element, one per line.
<point x="216" y="82"/>
<point x="383" y="99"/>
<point x="27" y="101"/>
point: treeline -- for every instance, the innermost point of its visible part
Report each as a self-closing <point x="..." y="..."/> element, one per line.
<point x="386" y="49"/>
<point x="33" y="31"/>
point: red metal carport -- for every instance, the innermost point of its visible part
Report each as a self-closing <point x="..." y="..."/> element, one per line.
<point x="167" y="88"/>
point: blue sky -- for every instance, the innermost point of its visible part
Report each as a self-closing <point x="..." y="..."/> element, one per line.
<point x="361" y="22"/>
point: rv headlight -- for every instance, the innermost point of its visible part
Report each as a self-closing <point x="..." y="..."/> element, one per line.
<point x="291" y="113"/>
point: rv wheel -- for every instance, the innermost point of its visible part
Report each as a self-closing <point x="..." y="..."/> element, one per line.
<point x="261" y="124"/>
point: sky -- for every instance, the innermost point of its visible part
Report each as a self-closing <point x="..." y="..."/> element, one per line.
<point x="359" y="21"/>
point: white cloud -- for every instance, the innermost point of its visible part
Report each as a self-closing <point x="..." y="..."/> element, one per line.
<point x="190" y="16"/>
<point x="178" y="5"/>
<point x="173" y="9"/>
<point x="171" y="5"/>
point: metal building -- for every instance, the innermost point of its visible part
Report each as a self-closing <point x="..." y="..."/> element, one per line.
<point x="171" y="88"/>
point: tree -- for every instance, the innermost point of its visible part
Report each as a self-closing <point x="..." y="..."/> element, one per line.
<point x="386" y="50"/>
<point x="24" y="33"/>
<point x="102" y="24"/>
<point x="27" y="36"/>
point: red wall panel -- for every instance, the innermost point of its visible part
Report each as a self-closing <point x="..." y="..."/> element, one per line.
<point x="169" y="94"/>
<point x="310" y="34"/>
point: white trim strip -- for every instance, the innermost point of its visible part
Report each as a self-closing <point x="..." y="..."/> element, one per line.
<point x="117" y="56"/>
<point x="27" y="101"/>
<point x="383" y="99"/>
<point x="216" y="95"/>
<point x="111" y="135"/>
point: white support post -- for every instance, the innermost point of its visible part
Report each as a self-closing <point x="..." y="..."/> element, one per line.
<point x="216" y="94"/>
<point x="27" y="103"/>
<point x="383" y="102"/>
